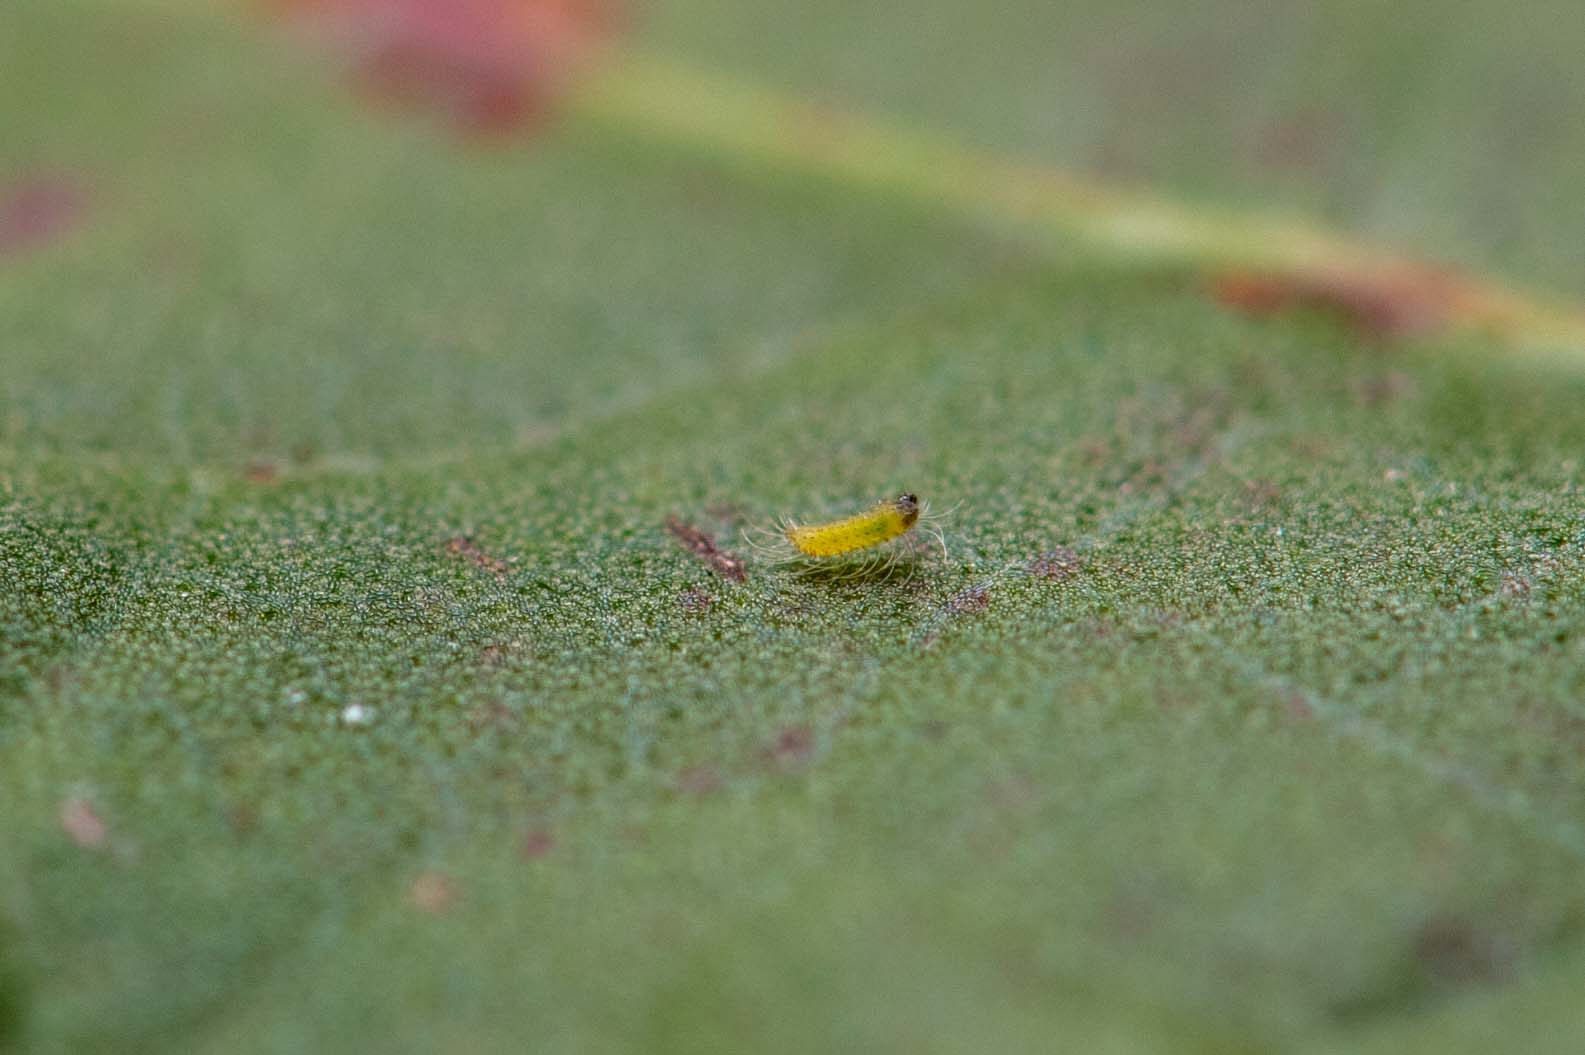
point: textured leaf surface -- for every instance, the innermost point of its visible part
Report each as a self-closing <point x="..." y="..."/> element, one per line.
<point x="367" y="682"/>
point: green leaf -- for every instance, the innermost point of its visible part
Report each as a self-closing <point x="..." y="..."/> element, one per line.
<point x="355" y="694"/>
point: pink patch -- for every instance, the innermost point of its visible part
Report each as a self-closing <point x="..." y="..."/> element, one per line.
<point x="37" y="210"/>
<point x="432" y="892"/>
<point x="485" y="66"/>
<point x="794" y="745"/>
<point x="698" y="780"/>
<point x="537" y="844"/>
<point x="83" y="825"/>
<point x="1389" y="301"/>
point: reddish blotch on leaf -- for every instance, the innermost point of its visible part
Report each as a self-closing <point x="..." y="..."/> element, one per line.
<point x="536" y="844"/>
<point x="83" y="825"/>
<point x="38" y="209"/>
<point x="432" y="892"/>
<point x="1396" y="301"/>
<point x="464" y="547"/>
<point x="702" y="545"/>
<point x="482" y="66"/>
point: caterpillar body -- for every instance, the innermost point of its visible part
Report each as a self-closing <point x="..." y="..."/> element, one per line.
<point x="822" y="547"/>
<point x="880" y="523"/>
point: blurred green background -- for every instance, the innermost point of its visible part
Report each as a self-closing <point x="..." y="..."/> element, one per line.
<point x="354" y="697"/>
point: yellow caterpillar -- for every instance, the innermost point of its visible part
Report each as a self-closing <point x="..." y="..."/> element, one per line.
<point x="880" y="523"/>
<point x="818" y="548"/>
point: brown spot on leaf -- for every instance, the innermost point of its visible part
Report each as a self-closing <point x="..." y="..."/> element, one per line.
<point x="432" y="892"/>
<point x="1387" y="301"/>
<point x="1512" y="583"/>
<point x="536" y="844"/>
<point x="1056" y="565"/>
<point x="969" y="601"/>
<point x="243" y="819"/>
<point x="1261" y="493"/>
<point x="695" y="601"/>
<point x="1196" y="431"/>
<point x="1094" y="450"/>
<point x="792" y="748"/>
<point x="83" y="825"/>
<point x="491" y="715"/>
<point x="39" y="209"/>
<point x="1298" y="141"/>
<point x="502" y="653"/>
<point x="1296" y="707"/>
<point x="261" y="472"/>
<point x="702" y="545"/>
<point x="699" y="781"/>
<point x="1455" y="951"/>
<point x="1151" y="474"/>
<point x="485" y="67"/>
<point x="1311" y="446"/>
<point x="466" y="548"/>
<point x="1383" y="388"/>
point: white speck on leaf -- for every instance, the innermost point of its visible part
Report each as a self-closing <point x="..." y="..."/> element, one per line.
<point x="357" y="714"/>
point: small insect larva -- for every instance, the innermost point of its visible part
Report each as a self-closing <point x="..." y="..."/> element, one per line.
<point x="819" y="548"/>
<point x="880" y="523"/>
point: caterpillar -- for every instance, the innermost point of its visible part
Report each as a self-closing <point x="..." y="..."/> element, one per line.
<point x="883" y="522"/>
<point x="880" y="523"/>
